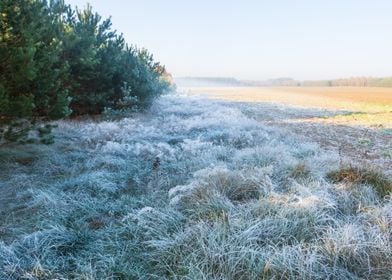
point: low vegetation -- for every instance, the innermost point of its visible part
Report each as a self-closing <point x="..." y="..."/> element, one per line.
<point x="356" y="175"/>
<point x="192" y="189"/>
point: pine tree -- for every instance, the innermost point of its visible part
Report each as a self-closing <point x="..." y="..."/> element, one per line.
<point x="55" y="61"/>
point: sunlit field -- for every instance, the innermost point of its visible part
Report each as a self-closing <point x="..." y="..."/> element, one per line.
<point x="207" y="184"/>
<point x="359" y="106"/>
<point x="355" y="122"/>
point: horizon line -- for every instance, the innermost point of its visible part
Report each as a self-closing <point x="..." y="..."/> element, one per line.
<point x="277" y="78"/>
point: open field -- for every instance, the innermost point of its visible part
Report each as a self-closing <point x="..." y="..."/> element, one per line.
<point x="200" y="187"/>
<point x="358" y="106"/>
<point x="355" y="122"/>
<point x="343" y="98"/>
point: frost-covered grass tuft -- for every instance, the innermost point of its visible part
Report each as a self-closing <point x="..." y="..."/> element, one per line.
<point x="358" y="175"/>
<point x="193" y="189"/>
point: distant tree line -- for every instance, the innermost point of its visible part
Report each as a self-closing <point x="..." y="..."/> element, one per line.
<point x="208" y="82"/>
<point x="283" y="82"/>
<point x="351" y="82"/>
<point x="56" y="61"/>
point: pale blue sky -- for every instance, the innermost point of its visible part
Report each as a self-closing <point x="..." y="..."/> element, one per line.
<point x="259" y="39"/>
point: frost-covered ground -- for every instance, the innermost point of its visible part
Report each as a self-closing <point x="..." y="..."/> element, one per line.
<point x="193" y="189"/>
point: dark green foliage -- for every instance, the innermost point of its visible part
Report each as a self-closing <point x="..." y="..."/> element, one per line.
<point x="102" y="64"/>
<point x="45" y="134"/>
<point x="32" y="75"/>
<point x="16" y="130"/>
<point x="55" y="61"/>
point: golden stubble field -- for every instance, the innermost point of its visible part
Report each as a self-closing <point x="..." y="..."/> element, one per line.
<point x="367" y="107"/>
<point x="356" y="122"/>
